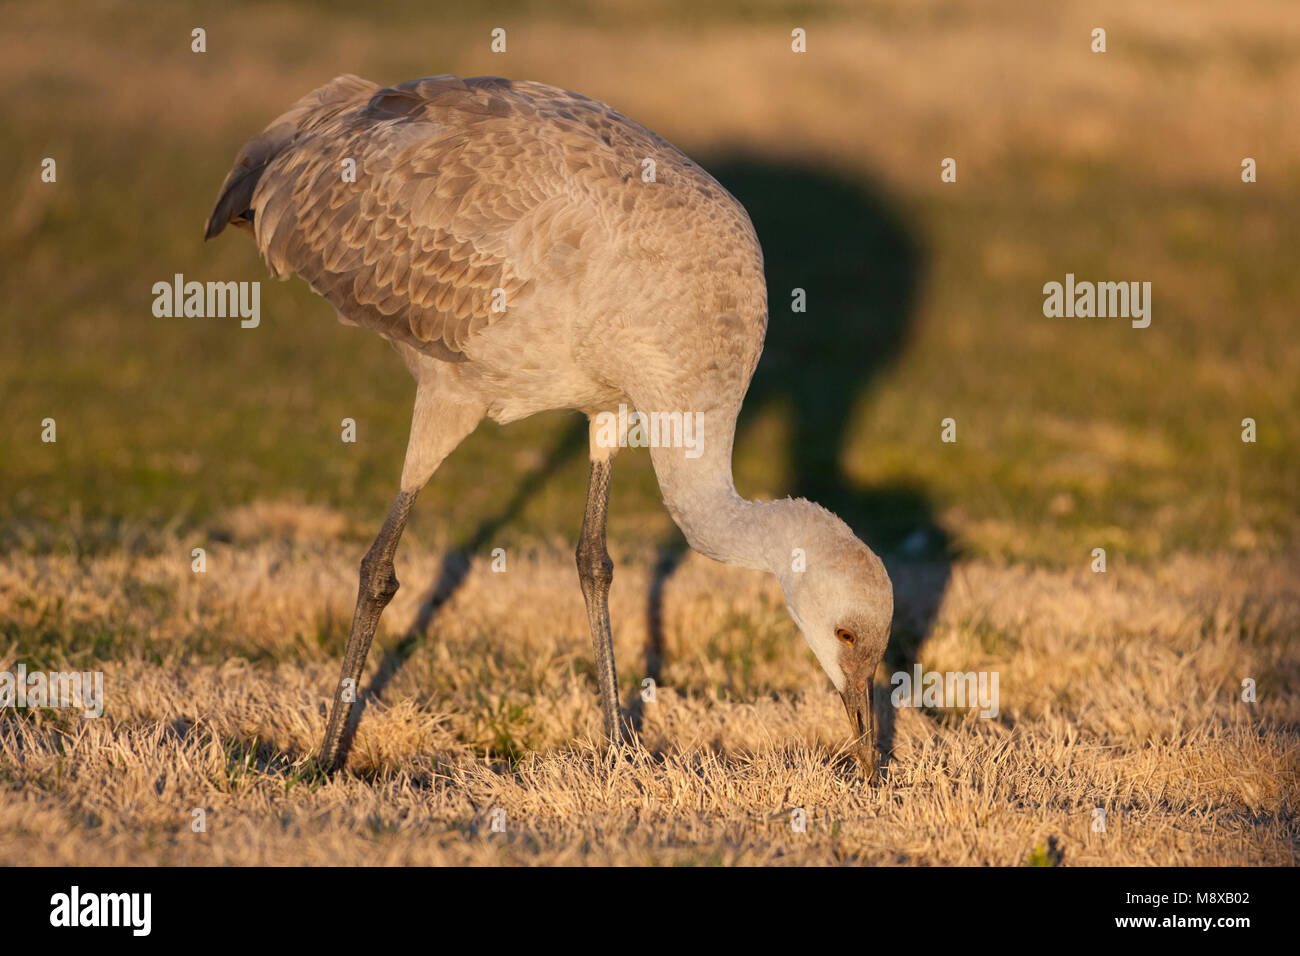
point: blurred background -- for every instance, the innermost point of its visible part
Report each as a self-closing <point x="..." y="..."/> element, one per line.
<point x="924" y="298"/>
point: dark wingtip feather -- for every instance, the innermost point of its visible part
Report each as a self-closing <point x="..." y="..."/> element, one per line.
<point x="212" y="227"/>
<point x="236" y="197"/>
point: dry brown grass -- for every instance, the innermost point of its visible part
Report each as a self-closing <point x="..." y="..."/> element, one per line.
<point x="1118" y="691"/>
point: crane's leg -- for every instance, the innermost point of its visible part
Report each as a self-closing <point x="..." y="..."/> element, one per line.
<point x="378" y="585"/>
<point x="595" y="572"/>
<point x="437" y="427"/>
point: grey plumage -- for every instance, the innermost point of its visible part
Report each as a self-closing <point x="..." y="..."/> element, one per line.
<point x="505" y="239"/>
<point x="455" y="196"/>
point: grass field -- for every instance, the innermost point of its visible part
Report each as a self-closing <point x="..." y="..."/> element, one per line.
<point x="1120" y="691"/>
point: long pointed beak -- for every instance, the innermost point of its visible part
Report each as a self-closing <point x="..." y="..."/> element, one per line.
<point x="859" y="705"/>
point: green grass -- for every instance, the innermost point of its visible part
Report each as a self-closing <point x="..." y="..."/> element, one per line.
<point x="173" y="421"/>
<point x="1072" y="434"/>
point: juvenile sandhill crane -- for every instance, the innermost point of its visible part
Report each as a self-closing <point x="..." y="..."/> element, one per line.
<point x="502" y="236"/>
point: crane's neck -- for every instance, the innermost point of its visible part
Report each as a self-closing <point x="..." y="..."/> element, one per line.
<point x="764" y="535"/>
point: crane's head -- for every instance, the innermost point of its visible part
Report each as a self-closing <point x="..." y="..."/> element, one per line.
<point x="843" y="603"/>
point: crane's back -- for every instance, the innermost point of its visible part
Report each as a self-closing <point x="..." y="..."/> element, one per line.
<point x="440" y="211"/>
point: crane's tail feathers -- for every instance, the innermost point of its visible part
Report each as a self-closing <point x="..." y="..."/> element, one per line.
<point x="235" y="201"/>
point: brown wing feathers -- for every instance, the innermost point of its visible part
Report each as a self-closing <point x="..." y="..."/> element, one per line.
<point x="417" y="246"/>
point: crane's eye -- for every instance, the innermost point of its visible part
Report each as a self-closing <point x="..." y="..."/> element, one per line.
<point x="845" y="636"/>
